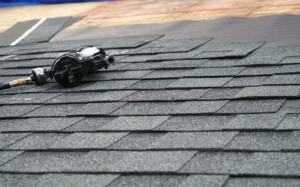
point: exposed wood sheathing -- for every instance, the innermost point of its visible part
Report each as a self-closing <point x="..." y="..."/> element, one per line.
<point x="148" y="11"/>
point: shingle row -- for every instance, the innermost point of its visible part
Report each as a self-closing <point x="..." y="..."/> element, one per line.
<point x="189" y="162"/>
<point x="226" y="140"/>
<point x="115" y="180"/>
<point x="146" y="108"/>
<point x="271" y="121"/>
<point x="115" y="140"/>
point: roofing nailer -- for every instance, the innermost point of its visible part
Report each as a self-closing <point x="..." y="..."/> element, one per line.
<point x="68" y="70"/>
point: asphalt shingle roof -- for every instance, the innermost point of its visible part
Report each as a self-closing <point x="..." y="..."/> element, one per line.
<point x="227" y="114"/>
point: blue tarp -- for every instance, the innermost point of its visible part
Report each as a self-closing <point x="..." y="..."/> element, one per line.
<point x="10" y="3"/>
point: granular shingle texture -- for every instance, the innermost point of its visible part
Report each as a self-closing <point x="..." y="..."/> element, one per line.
<point x="148" y="180"/>
<point x="247" y="81"/>
<point x="152" y="161"/>
<point x="269" y="91"/>
<point x="258" y="141"/>
<point x="259" y="182"/>
<point x="176" y="112"/>
<point x="198" y="107"/>
<point x="8" y="155"/>
<point x="72" y="180"/>
<point x="187" y="140"/>
<point x="273" y="163"/>
<point x="199" y="82"/>
<point x="137" y="141"/>
<point x="134" y="123"/>
<point x="16" y="110"/>
<point x="87" y="140"/>
<point x="148" y="108"/>
<point x="217" y="162"/>
<point x="290" y="121"/>
<point x="254" y="121"/>
<point x="252" y="106"/>
<point x="195" y="123"/>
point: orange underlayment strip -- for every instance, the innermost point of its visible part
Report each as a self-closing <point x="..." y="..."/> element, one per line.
<point x="149" y="11"/>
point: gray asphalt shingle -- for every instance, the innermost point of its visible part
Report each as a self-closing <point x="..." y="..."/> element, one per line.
<point x="199" y="107"/>
<point x="7" y="139"/>
<point x="293" y="141"/>
<point x="221" y="63"/>
<point x="205" y="180"/>
<point x="148" y="108"/>
<point x="28" y="64"/>
<point x="254" y="121"/>
<point x="291" y="60"/>
<point x="44" y="162"/>
<point x="109" y="85"/>
<point x="55" y="110"/>
<point x="291" y="106"/>
<point x="247" y="81"/>
<point x="99" y="160"/>
<point x="135" y="58"/>
<point x="194" y="140"/>
<point x="18" y="180"/>
<point x="87" y="140"/>
<point x="180" y="64"/>
<point x="90" y="97"/>
<point x="195" y="123"/>
<point x="35" y="56"/>
<point x="74" y="180"/>
<point x="269" y="91"/>
<point x="37" y="124"/>
<point x="171" y="56"/>
<point x="259" y="141"/>
<point x="151" y="161"/>
<point x="8" y="155"/>
<point x="172" y="45"/>
<point x="89" y="124"/>
<point x="37" y="98"/>
<point x="8" y="72"/>
<point x="169" y="74"/>
<point x="16" y="110"/>
<point x="136" y="141"/>
<point x="283" y="79"/>
<point x="148" y="180"/>
<point x="261" y="60"/>
<point x="76" y="109"/>
<point x="216" y="162"/>
<point x="116" y="75"/>
<point x="212" y="72"/>
<point x="252" y="106"/>
<point x="37" y="141"/>
<point x="164" y="95"/>
<point x="199" y="82"/>
<point x="260" y="182"/>
<point x="267" y="70"/>
<point x="134" y="123"/>
<point x="290" y="69"/>
<point x="230" y="49"/>
<point x="290" y="121"/>
<point x="152" y="84"/>
<point x="220" y="93"/>
<point x="273" y="163"/>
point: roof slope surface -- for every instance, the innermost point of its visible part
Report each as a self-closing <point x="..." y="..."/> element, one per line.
<point x="183" y="112"/>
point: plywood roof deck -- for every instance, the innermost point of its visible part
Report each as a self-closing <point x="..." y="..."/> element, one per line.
<point x="125" y="12"/>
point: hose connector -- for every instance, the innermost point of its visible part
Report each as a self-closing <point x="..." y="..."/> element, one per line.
<point x="19" y="82"/>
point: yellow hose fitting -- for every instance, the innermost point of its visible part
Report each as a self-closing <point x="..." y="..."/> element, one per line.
<point x="18" y="82"/>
